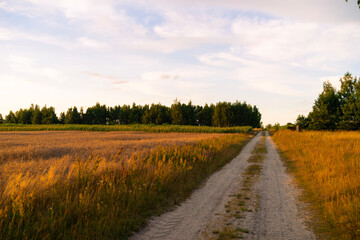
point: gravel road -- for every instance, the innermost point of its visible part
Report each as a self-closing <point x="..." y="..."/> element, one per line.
<point x="276" y="218"/>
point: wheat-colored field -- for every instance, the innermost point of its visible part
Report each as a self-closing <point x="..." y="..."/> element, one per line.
<point x="81" y="185"/>
<point x="327" y="165"/>
<point x="36" y="160"/>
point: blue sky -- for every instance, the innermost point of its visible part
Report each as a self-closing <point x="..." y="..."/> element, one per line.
<point x="273" y="54"/>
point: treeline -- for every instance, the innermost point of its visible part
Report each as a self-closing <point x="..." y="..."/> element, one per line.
<point x="335" y="109"/>
<point x="222" y="114"/>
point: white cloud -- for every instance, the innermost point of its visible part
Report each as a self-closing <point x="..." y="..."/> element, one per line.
<point x="223" y="59"/>
<point x="184" y="25"/>
<point x="8" y="34"/>
<point x="91" y="43"/>
<point x="25" y="69"/>
<point x="97" y="17"/>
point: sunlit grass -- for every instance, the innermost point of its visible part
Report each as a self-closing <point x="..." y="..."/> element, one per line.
<point x="327" y="165"/>
<point x="74" y="195"/>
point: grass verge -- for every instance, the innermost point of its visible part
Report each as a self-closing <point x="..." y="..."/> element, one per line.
<point x="326" y="166"/>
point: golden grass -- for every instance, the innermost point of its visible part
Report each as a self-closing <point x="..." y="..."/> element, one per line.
<point x="94" y="185"/>
<point x="327" y="165"/>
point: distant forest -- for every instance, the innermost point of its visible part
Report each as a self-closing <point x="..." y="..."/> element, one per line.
<point x="222" y="114"/>
<point x="335" y="109"/>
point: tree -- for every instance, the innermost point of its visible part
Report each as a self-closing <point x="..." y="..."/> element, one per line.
<point x="256" y="117"/>
<point x="125" y="114"/>
<point x="222" y="114"/>
<point x="349" y="96"/>
<point x="113" y="114"/>
<point x="303" y="121"/>
<point x="11" y="118"/>
<point x="72" y="116"/>
<point x="24" y="116"/>
<point x="49" y="115"/>
<point x="325" y="113"/>
<point x="205" y="115"/>
<point x="96" y="114"/>
<point x="135" y="114"/>
<point x="62" y="118"/>
<point x="37" y="115"/>
<point x="157" y="114"/>
<point x="268" y="126"/>
<point x="176" y="113"/>
<point x="189" y="116"/>
<point x="1" y="119"/>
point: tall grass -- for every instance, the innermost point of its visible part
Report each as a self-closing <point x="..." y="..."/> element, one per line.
<point x="131" y="127"/>
<point x="106" y="197"/>
<point x="327" y="165"/>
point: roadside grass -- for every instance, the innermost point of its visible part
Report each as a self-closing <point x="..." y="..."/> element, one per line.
<point x="103" y="198"/>
<point x="327" y="166"/>
<point x="230" y="227"/>
<point x="130" y="127"/>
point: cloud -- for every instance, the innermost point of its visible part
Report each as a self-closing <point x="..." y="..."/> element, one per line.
<point x="24" y="68"/>
<point x="222" y="59"/>
<point x="91" y="43"/>
<point x="95" y="16"/>
<point x="329" y="11"/>
<point x="97" y="75"/>
<point x="8" y="34"/>
<point x="120" y="82"/>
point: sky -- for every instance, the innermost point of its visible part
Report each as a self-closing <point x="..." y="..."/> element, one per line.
<point x="274" y="54"/>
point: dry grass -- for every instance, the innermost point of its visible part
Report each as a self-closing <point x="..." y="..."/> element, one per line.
<point x="86" y="185"/>
<point x="327" y="165"/>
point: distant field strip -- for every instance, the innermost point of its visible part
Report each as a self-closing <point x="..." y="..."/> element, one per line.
<point x="327" y="165"/>
<point x="130" y="127"/>
<point x="97" y="185"/>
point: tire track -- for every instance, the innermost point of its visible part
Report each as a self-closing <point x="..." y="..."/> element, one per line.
<point x="278" y="216"/>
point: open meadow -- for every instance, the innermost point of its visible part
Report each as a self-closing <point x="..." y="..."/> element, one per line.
<point x="100" y="185"/>
<point x="327" y="166"/>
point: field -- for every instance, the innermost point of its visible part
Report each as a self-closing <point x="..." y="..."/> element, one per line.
<point x="129" y="127"/>
<point x="327" y="165"/>
<point x="100" y="185"/>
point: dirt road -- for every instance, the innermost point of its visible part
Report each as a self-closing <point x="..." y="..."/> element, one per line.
<point x="277" y="217"/>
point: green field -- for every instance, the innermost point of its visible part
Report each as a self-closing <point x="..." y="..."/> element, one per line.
<point x="132" y="127"/>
